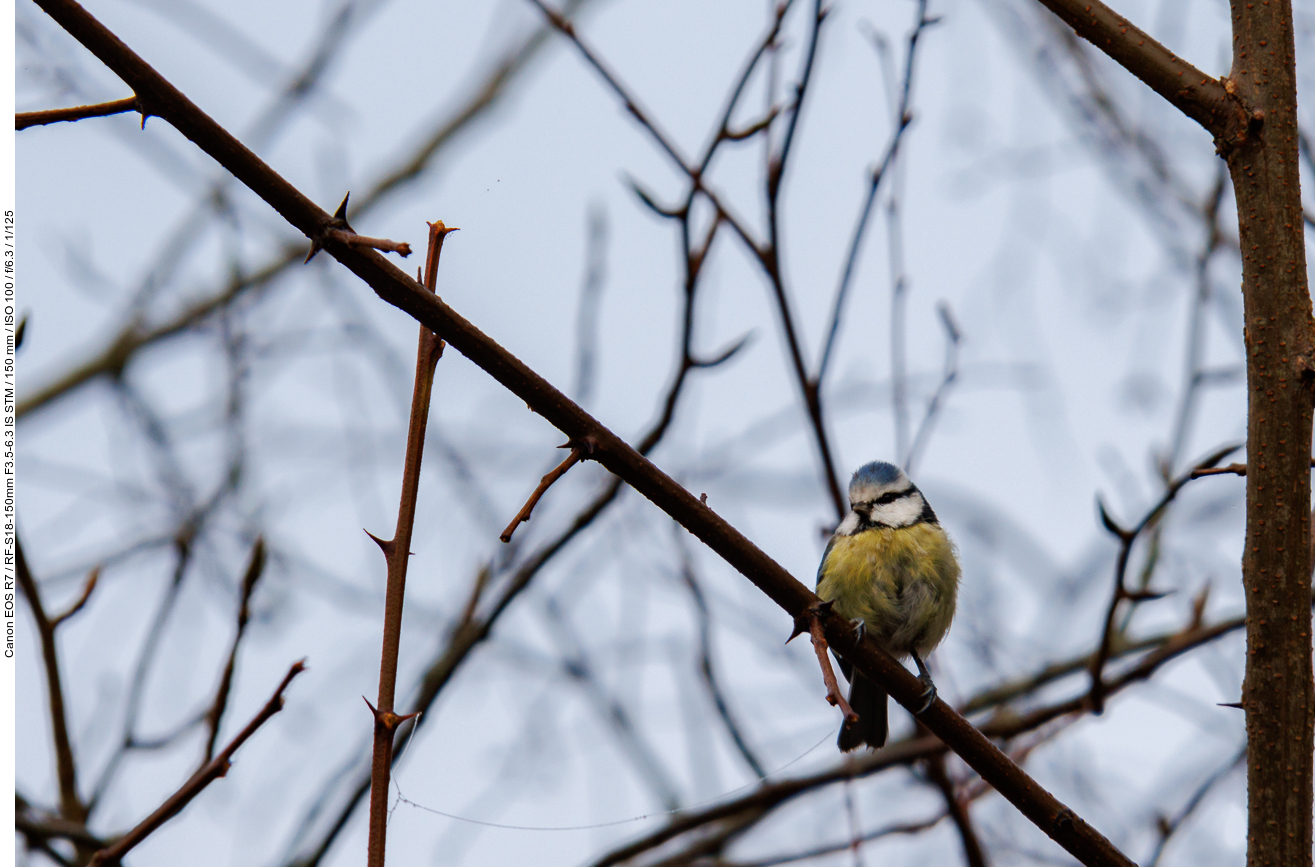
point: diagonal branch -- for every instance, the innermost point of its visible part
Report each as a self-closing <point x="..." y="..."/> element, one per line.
<point x="1208" y="101"/>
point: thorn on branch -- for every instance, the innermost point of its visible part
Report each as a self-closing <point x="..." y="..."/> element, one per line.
<point x="388" y="720"/>
<point x="338" y="229"/>
<point x="385" y="546"/>
<point x="578" y="451"/>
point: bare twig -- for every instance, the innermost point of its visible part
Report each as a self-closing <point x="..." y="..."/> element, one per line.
<point x="401" y="248"/>
<point x="577" y="452"/>
<point x="77" y="606"/>
<point x="811" y="622"/>
<point x="949" y="375"/>
<point x="767" y="254"/>
<point x="214" y="716"/>
<point x="708" y="671"/>
<point x="217" y="768"/>
<point x="1121" y="592"/>
<point x="903" y="119"/>
<point x="397" y="553"/>
<point x="25" y="119"/>
<point x="1231" y="469"/>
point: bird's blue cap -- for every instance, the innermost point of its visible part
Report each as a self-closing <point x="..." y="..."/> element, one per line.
<point x="876" y="473"/>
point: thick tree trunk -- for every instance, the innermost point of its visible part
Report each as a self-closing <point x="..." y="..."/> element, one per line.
<point x="1278" y="693"/>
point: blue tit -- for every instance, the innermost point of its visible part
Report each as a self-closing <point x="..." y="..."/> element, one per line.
<point x="892" y="569"/>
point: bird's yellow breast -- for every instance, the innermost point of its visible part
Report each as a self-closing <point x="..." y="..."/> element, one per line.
<point x="900" y="582"/>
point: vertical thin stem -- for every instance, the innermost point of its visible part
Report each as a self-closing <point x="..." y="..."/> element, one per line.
<point x="397" y="552"/>
<point x="899" y="397"/>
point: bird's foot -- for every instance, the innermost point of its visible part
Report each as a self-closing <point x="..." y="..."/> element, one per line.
<point x="924" y="677"/>
<point x="928" y="695"/>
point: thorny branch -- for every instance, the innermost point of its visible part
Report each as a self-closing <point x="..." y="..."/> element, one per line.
<point x="397" y="553"/>
<point x="472" y="629"/>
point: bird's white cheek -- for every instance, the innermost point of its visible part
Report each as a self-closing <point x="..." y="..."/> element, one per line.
<point x="849" y="526"/>
<point x="901" y="513"/>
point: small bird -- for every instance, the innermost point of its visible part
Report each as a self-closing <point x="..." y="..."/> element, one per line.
<point x="891" y="569"/>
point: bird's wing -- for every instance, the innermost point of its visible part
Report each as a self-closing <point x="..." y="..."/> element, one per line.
<point x="820" y="566"/>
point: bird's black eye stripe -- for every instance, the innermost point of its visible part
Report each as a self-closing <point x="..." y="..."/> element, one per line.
<point x="892" y="496"/>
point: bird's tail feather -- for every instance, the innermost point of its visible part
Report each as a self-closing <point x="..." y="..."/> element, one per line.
<point x="868" y="701"/>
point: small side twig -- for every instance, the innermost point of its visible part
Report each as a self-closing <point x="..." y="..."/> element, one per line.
<point x="214" y="716"/>
<point x="950" y="374"/>
<point x="339" y="230"/>
<point x="216" y="768"/>
<point x="810" y="621"/>
<point x="87" y="588"/>
<point x="25" y="119"/>
<point x="1231" y="469"/>
<point x="401" y="248"/>
<point x="577" y="453"/>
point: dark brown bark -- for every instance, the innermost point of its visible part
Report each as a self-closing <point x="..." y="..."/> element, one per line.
<point x="1278" y="693"/>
